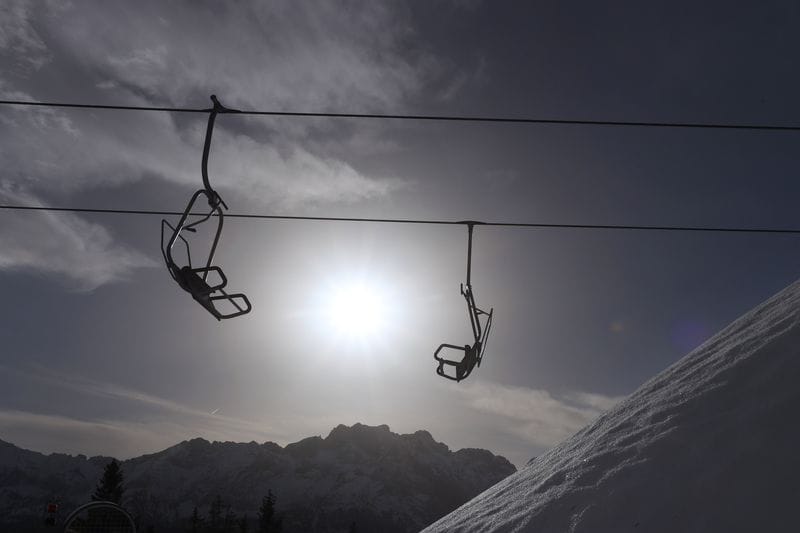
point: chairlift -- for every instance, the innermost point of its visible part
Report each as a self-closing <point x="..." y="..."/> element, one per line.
<point x="100" y="516"/>
<point x="205" y="283"/>
<point x="473" y="354"/>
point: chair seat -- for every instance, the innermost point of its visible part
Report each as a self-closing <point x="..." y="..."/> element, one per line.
<point x="192" y="282"/>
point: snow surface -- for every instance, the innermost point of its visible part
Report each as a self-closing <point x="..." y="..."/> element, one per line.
<point x="709" y="445"/>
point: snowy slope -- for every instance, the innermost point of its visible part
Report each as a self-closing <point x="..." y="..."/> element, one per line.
<point x="712" y="444"/>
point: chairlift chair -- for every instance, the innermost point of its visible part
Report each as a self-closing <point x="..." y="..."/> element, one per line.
<point x="473" y="354"/>
<point x="193" y="279"/>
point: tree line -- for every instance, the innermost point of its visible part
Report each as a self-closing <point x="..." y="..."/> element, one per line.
<point x="220" y="518"/>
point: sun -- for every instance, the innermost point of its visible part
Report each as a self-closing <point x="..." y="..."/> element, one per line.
<point x="356" y="309"/>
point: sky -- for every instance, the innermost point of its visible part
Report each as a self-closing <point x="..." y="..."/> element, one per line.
<point x="102" y="353"/>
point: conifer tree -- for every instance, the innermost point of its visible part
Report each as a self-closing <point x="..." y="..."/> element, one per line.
<point x="244" y="526"/>
<point x="267" y="522"/>
<point x="215" y="514"/>
<point x="229" y="522"/>
<point x="196" y="522"/>
<point x="110" y="488"/>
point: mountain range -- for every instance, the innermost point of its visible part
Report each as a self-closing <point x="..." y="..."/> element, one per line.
<point x="362" y="475"/>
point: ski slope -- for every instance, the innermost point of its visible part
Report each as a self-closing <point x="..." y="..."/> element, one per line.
<point x="712" y="444"/>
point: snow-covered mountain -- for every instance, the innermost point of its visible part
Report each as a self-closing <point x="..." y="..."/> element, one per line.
<point x="712" y="444"/>
<point x="378" y="479"/>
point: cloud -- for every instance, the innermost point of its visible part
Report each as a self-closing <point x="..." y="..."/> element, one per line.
<point x="56" y="151"/>
<point x="597" y="402"/>
<point x="19" y="41"/>
<point x="274" y="55"/>
<point x="62" y="153"/>
<point x="290" y="176"/>
<point x="351" y="55"/>
<point x="81" y="253"/>
<point x="119" y="438"/>
<point x="36" y="431"/>
<point x="348" y="56"/>
<point x="144" y="422"/>
<point x="152" y="404"/>
<point x="536" y="415"/>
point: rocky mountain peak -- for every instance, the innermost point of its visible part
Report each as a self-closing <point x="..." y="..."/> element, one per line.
<point x="382" y="480"/>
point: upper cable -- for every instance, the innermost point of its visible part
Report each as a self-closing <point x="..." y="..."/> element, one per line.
<point x="440" y="118"/>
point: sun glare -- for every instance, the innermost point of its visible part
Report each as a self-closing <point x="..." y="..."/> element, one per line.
<point x="356" y="310"/>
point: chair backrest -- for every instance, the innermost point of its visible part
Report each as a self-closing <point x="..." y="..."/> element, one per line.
<point x="487" y="327"/>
